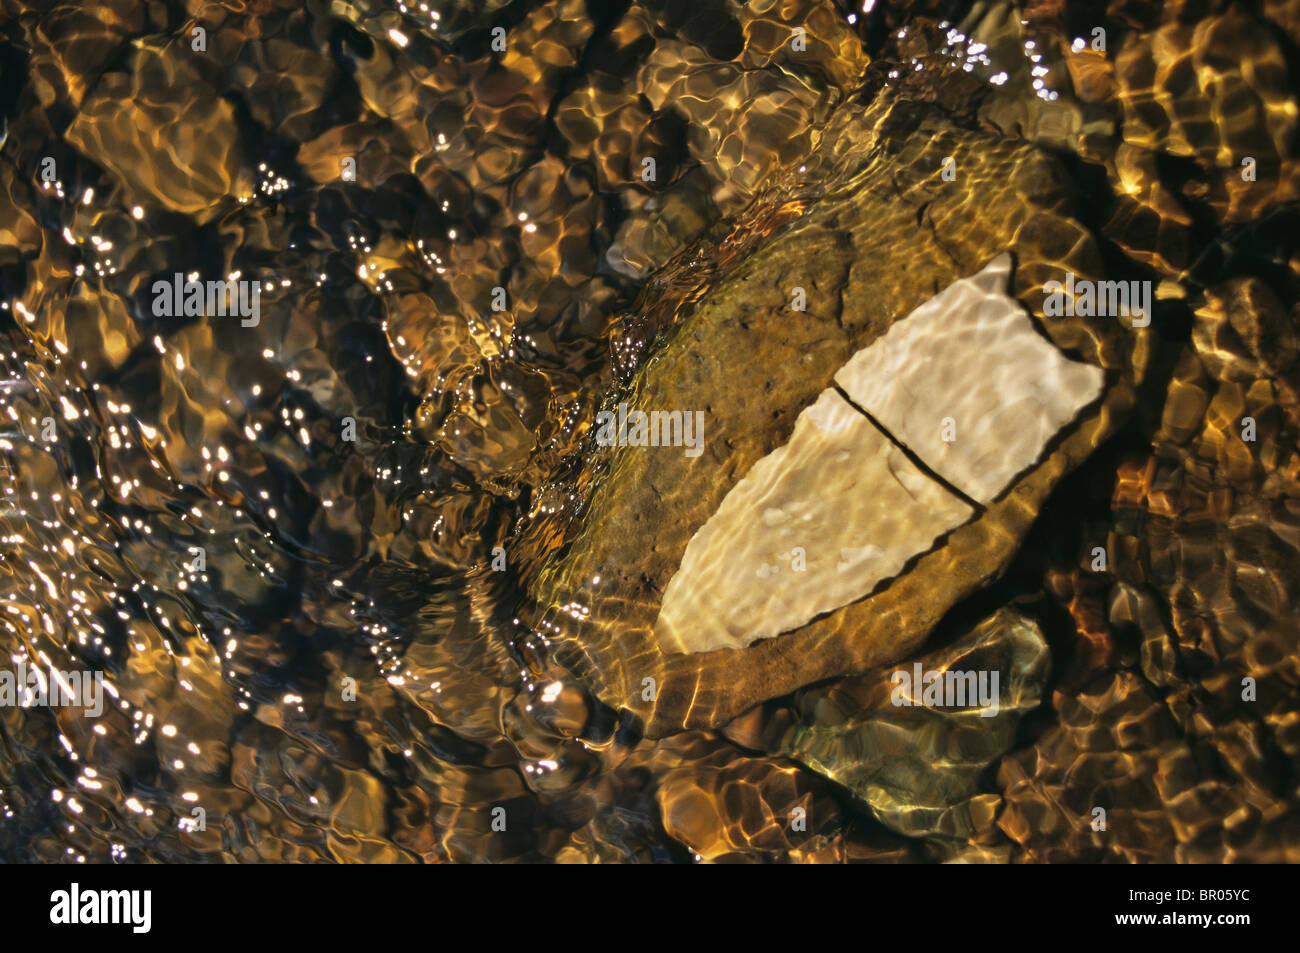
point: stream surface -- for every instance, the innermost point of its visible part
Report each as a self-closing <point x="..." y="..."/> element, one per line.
<point x="276" y="541"/>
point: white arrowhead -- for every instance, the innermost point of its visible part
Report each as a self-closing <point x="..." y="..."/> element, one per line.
<point x="843" y="491"/>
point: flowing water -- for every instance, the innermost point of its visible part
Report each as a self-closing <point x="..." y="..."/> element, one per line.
<point x="310" y="546"/>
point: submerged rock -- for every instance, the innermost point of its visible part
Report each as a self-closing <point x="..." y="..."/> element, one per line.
<point x="742" y="353"/>
<point x="917" y="766"/>
<point x="165" y="134"/>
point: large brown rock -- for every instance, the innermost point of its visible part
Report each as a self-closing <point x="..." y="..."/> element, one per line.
<point x="868" y="243"/>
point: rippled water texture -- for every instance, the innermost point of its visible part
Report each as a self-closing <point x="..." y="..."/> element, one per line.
<point x="363" y="585"/>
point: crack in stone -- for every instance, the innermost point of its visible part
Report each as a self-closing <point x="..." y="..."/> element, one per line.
<point x="907" y="451"/>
